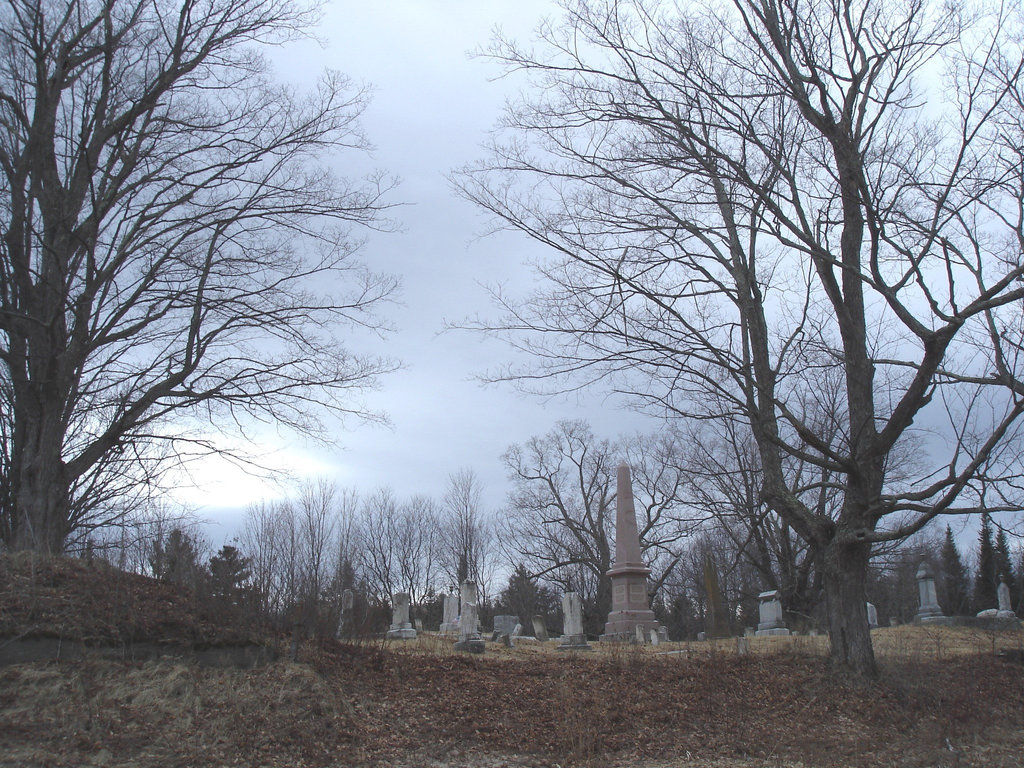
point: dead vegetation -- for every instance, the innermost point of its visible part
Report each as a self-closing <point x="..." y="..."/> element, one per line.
<point x="944" y="698"/>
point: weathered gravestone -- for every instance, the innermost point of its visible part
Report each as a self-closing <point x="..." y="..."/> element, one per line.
<point x="928" y="611"/>
<point x="401" y="629"/>
<point x="573" y="638"/>
<point x="1003" y="595"/>
<point x="663" y="633"/>
<point x="872" y="616"/>
<point x="450" y="620"/>
<point x="770" y="614"/>
<point x="638" y="634"/>
<point x="742" y="646"/>
<point x="655" y="637"/>
<point x="504" y="624"/>
<point x="469" y="622"/>
<point x="540" y="630"/>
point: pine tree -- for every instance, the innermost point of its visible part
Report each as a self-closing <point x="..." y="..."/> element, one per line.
<point x="1004" y="565"/>
<point x="985" y="579"/>
<point x="229" y="574"/>
<point x="955" y="583"/>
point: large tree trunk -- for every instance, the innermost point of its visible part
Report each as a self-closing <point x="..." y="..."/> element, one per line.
<point x="845" y="575"/>
<point x="40" y="493"/>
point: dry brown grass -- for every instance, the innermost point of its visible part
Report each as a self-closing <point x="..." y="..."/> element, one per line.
<point x="944" y="698"/>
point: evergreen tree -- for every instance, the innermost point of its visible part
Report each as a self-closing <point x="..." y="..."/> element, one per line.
<point x="229" y="574"/>
<point x="1004" y="565"/>
<point x="955" y="584"/>
<point x="985" y="579"/>
<point x="526" y="598"/>
<point x="176" y="558"/>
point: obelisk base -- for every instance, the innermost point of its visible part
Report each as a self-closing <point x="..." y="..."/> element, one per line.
<point x="629" y="604"/>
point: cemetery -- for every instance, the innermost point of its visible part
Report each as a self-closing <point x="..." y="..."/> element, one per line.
<point x="102" y="667"/>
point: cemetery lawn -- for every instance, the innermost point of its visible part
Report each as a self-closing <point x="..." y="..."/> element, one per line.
<point x="946" y="697"/>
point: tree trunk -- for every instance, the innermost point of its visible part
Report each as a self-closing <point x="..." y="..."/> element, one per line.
<point x="845" y="576"/>
<point x="41" y="494"/>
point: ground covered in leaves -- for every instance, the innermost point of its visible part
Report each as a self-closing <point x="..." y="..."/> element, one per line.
<point x="421" y="704"/>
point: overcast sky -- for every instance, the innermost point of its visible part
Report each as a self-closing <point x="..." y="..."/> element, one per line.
<point x="432" y="108"/>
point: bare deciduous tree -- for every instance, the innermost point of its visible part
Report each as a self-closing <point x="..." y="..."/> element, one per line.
<point x="172" y="245"/>
<point x="744" y="195"/>
<point x="467" y="535"/>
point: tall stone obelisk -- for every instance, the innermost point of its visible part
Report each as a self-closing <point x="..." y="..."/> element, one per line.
<point x="628" y="574"/>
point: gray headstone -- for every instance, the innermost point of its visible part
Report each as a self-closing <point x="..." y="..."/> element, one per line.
<point x="419" y="624"/>
<point x="1003" y="594"/>
<point x="504" y="624"/>
<point x="517" y="631"/>
<point x="872" y="615"/>
<point x="450" y="622"/>
<point x="742" y="646"/>
<point x="638" y="631"/>
<point x="663" y="633"/>
<point x="573" y="638"/>
<point x="770" y="614"/>
<point x="401" y="628"/>
<point x="540" y="630"/>
<point x="748" y="631"/>
<point x="655" y="637"/>
<point x="469" y="634"/>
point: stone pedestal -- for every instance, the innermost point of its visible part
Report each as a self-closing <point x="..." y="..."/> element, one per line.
<point x="630" y="607"/>
<point x="401" y="628"/>
<point x="770" y="615"/>
<point x="573" y="638"/>
<point x="928" y="611"/>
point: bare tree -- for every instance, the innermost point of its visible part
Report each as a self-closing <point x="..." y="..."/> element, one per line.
<point x="741" y="196"/>
<point x="467" y="537"/>
<point x="259" y="541"/>
<point x="418" y="546"/>
<point x="378" y="523"/>
<point x="171" y="245"/>
<point x="317" y="510"/>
